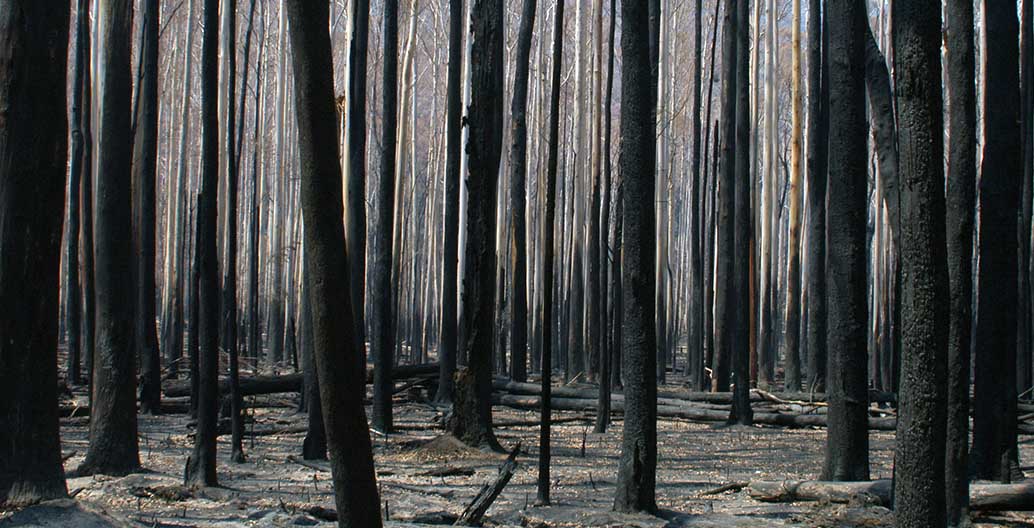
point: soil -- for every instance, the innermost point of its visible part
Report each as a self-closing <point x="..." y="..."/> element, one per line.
<point x="427" y="479"/>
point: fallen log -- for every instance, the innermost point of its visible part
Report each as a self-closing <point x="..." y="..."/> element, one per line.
<point x="255" y="385"/>
<point x="477" y="508"/>
<point x="982" y="495"/>
<point x="583" y="391"/>
<point x="687" y="412"/>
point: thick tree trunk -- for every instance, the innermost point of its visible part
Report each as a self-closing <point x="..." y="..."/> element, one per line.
<point x="381" y="347"/>
<point x="113" y="437"/>
<point x="451" y="216"/>
<point x="919" y="497"/>
<point x="518" y="170"/>
<point x="637" y="469"/>
<point x="961" y="198"/>
<point x="201" y="470"/>
<point x="994" y="453"/>
<point x="337" y="354"/>
<point x="741" y="252"/>
<point x="847" y="446"/>
<point x="33" y="144"/>
<point x="724" y="314"/>
<point x="473" y="423"/>
<point x="548" y="245"/>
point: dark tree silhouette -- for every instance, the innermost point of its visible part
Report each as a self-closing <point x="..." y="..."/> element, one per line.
<point x="818" y="125"/>
<point x="847" y="440"/>
<point x="725" y="286"/>
<point x="73" y="289"/>
<point x="201" y="470"/>
<point x="337" y="354"/>
<point x="607" y="364"/>
<point x="33" y="144"/>
<point x="919" y="460"/>
<point x="994" y="454"/>
<point x="145" y="158"/>
<point x="741" y="412"/>
<point x="113" y="439"/>
<point x="518" y="170"/>
<point x="355" y="214"/>
<point x="961" y="198"/>
<point x="381" y="347"/>
<point x="548" y="281"/>
<point x="637" y="469"/>
<point x="471" y="420"/>
<point x="695" y="356"/>
<point x="451" y="222"/>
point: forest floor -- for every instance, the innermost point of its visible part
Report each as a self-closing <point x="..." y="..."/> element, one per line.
<point x="272" y="489"/>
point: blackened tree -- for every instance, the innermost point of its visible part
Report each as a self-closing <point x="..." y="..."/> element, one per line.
<point x="637" y="469"/>
<point x="919" y="461"/>
<point x="847" y="436"/>
<point x="33" y="146"/>
<point x="113" y="439"/>
<point x="337" y="354"/>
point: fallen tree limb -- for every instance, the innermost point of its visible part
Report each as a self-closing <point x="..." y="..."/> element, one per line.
<point x="473" y="513"/>
<point x="982" y="495"/>
<point x="255" y="385"/>
<point x="757" y="396"/>
<point x="683" y="411"/>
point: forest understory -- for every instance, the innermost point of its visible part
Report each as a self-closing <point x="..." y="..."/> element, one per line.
<point x="427" y="478"/>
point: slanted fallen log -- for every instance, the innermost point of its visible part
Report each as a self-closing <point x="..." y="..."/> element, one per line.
<point x="474" y="511"/>
<point x="683" y="411"/>
<point x="982" y="495"/>
<point x="256" y="385"/>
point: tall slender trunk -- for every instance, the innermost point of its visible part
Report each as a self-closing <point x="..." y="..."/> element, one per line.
<point x="637" y="468"/>
<point x="608" y="367"/>
<point x="447" y="347"/>
<point x="818" y="125"/>
<point x="793" y="271"/>
<point x="355" y="213"/>
<point x="961" y="199"/>
<point x="383" y="330"/>
<point x="77" y="168"/>
<point x="548" y="245"/>
<point x="724" y="312"/>
<point x="201" y="470"/>
<point x="518" y="168"/>
<point x="228" y="299"/>
<point x="741" y="253"/>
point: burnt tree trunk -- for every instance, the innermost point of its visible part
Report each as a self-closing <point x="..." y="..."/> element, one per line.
<point x="337" y="354"/>
<point x="724" y="311"/>
<point x="742" y="259"/>
<point x="847" y="441"/>
<point x="447" y="346"/>
<point x="113" y="432"/>
<point x="200" y="470"/>
<point x="33" y="145"/>
<point x="548" y="247"/>
<point x="818" y="126"/>
<point x="994" y="454"/>
<point x="145" y="158"/>
<point x="637" y="468"/>
<point x="919" y="497"/>
<point x="518" y="170"/>
<point x="381" y="347"/>
<point x="961" y="198"/>
<point x="472" y="419"/>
